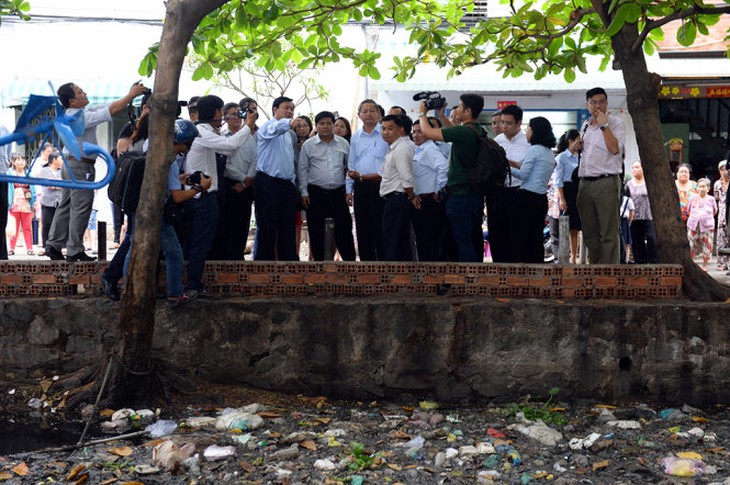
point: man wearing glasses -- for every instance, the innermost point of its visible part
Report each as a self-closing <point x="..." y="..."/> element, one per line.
<point x="600" y="170"/>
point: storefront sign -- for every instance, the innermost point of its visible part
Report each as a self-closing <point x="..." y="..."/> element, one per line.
<point x="693" y="92"/>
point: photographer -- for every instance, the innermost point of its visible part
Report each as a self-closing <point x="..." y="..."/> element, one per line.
<point x="238" y="183"/>
<point x="203" y="208"/>
<point x="464" y="206"/>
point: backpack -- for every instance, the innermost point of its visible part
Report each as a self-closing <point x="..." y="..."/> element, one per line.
<point x="491" y="167"/>
<point x="125" y="187"/>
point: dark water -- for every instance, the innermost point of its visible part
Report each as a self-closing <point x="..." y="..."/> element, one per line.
<point x="20" y="436"/>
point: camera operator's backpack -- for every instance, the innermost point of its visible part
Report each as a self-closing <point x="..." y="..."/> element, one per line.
<point x="125" y="187"/>
<point x="491" y="168"/>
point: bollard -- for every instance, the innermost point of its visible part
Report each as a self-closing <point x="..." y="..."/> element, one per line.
<point x="564" y="235"/>
<point x="329" y="239"/>
<point x="101" y="240"/>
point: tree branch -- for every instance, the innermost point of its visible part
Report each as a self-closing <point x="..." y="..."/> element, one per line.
<point x="694" y="10"/>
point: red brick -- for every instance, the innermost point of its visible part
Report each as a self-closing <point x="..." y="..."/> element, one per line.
<point x="292" y="279"/>
<point x="227" y="278"/>
<point x="11" y="279"/>
<point x="606" y="282"/>
<point x="571" y="282"/>
<point x="79" y="279"/>
<point x="338" y="278"/>
<point x="454" y="279"/>
<point x="540" y="282"/>
<point x="259" y="278"/>
<point x="315" y="279"/>
<point x="368" y="278"/>
<point x="432" y="279"/>
<point x="488" y="280"/>
<point x="401" y="279"/>
<point x="637" y="281"/>
<point x="670" y="281"/>
<point x="517" y="281"/>
<point x="44" y="279"/>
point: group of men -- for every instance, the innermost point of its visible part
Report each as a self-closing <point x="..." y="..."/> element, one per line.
<point x="397" y="173"/>
<point x="600" y="175"/>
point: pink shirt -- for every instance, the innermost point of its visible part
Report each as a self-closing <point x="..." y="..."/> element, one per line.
<point x="701" y="213"/>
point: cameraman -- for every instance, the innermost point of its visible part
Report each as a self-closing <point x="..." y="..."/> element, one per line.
<point x="464" y="207"/>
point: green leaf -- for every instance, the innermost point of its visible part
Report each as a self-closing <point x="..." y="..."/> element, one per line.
<point x="687" y="33"/>
<point x="569" y="75"/>
<point x="618" y="21"/>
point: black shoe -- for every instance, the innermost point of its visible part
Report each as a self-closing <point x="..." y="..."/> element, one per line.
<point x="111" y="290"/>
<point x="54" y="254"/>
<point x="80" y="257"/>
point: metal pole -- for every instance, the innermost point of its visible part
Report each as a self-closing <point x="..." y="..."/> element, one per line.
<point x="564" y="236"/>
<point x="329" y="239"/>
<point x="101" y="239"/>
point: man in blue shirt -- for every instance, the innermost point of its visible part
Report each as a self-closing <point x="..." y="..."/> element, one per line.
<point x="322" y="167"/>
<point x="367" y="152"/>
<point x="275" y="189"/>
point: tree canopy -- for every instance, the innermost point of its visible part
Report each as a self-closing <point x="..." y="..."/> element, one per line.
<point x="551" y="36"/>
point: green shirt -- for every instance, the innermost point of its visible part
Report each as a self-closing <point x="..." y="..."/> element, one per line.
<point x="464" y="151"/>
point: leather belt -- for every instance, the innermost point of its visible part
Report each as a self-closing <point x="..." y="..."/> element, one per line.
<point x="598" y="177"/>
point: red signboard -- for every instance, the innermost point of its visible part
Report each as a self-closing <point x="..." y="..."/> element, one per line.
<point x="503" y="104"/>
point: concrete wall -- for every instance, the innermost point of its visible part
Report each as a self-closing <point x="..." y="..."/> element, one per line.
<point x="448" y="348"/>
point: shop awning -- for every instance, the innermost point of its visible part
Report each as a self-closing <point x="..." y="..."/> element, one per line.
<point x="15" y="92"/>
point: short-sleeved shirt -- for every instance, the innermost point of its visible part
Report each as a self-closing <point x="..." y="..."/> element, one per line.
<point x="464" y="151"/>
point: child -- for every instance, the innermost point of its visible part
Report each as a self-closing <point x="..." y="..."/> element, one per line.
<point x="701" y="222"/>
<point x="626" y="212"/>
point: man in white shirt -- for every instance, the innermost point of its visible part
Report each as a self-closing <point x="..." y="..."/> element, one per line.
<point x="238" y="180"/>
<point x="321" y="175"/>
<point x="396" y="188"/>
<point x="430" y="170"/>
<point x="502" y="220"/>
<point x="200" y="162"/>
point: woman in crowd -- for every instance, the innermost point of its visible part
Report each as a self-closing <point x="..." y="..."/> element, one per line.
<point x="686" y="188"/>
<point x="720" y="193"/>
<point x="535" y="172"/>
<point x="701" y="222"/>
<point x="643" y="235"/>
<point x="569" y="148"/>
<point x="342" y="128"/>
<point x="51" y="197"/>
<point x="21" y="198"/>
<point x="303" y="128"/>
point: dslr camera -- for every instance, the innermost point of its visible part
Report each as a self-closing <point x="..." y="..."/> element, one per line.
<point x="433" y="99"/>
<point x="245" y="110"/>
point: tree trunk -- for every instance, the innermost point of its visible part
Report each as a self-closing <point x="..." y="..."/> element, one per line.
<point x="133" y="380"/>
<point x="642" y="88"/>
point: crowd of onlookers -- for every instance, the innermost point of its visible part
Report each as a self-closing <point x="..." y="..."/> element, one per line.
<point x="404" y="182"/>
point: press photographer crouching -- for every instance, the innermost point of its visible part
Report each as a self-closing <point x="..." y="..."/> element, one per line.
<point x="464" y="206"/>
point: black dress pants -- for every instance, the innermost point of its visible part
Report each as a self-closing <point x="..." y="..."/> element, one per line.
<point x="324" y="203"/>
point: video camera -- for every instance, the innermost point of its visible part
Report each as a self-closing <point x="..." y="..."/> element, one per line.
<point x="433" y="99"/>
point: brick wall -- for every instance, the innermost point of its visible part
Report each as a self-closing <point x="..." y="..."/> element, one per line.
<point x="631" y="282"/>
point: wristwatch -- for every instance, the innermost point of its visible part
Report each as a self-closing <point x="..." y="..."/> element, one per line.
<point x="603" y="127"/>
